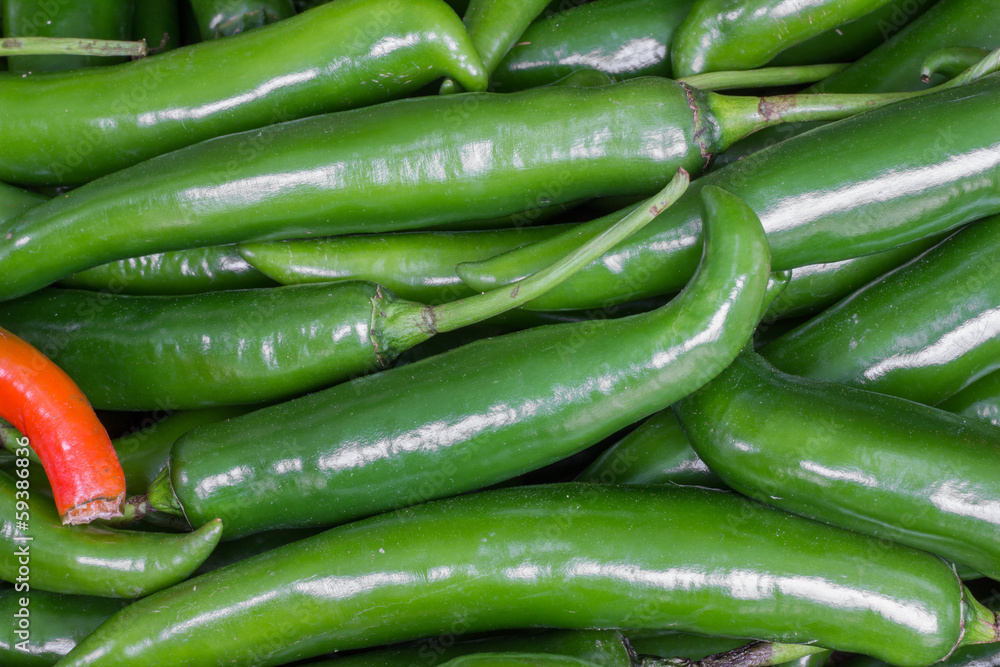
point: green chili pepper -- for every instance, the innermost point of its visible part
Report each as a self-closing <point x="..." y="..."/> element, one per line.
<point x="430" y="161"/>
<point x="55" y="623"/>
<point x="865" y="461"/>
<point x="15" y="201"/>
<point x="623" y="38"/>
<point x="896" y="65"/>
<point x="720" y="35"/>
<point x="570" y="556"/>
<point x="923" y="332"/>
<point x="89" y="560"/>
<point x="158" y="22"/>
<point x="818" y="286"/>
<point x="108" y="19"/>
<point x="855" y="39"/>
<point x="951" y="62"/>
<point x="414" y="265"/>
<point x="477" y="415"/>
<point x="192" y="271"/>
<point x="607" y="648"/>
<point x="518" y="660"/>
<point x="981" y="399"/>
<point x="495" y="26"/>
<point x="657" y="452"/>
<point x="673" y="644"/>
<point x="74" y="127"/>
<point x="916" y="169"/>
<point x="225" y="18"/>
<point x="253" y="346"/>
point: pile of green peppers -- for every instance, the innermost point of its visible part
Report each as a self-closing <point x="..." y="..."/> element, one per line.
<point x="500" y="333"/>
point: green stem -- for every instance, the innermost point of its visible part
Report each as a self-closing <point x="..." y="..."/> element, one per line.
<point x="742" y="116"/>
<point x="429" y="320"/>
<point x="981" y="624"/>
<point x="70" y="46"/>
<point x="759" y="78"/>
<point x="754" y="654"/>
<point x="952" y="62"/>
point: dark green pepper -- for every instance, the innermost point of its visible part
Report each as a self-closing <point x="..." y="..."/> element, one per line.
<point x="72" y="127"/>
<point x="225" y="18"/>
<point x="192" y="271"/>
<point x="107" y="19"/>
<point x="916" y="169"/>
<point x="922" y="332"/>
<point x="981" y="399"/>
<point x="426" y="161"/>
<point x="414" y="265"/>
<point x="41" y="553"/>
<point x="622" y="38"/>
<point x="55" y="624"/>
<point x="869" y="462"/>
<point x="570" y="556"/>
<point x="253" y="346"/>
<point x="158" y="22"/>
<point x="477" y="415"/>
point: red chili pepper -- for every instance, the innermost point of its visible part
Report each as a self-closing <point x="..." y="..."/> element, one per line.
<point x="44" y="404"/>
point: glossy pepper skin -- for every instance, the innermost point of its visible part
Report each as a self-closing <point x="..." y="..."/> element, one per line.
<point x="57" y="624"/>
<point x="495" y="26"/>
<point x="419" y="266"/>
<point x="622" y="38"/>
<point x="570" y="556"/>
<point x="923" y="331"/>
<point x="917" y="168"/>
<point x="15" y="201"/>
<point x="55" y="128"/>
<point x="437" y="162"/>
<point x="851" y="41"/>
<point x="817" y="286"/>
<point x="896" y="64"/>
<point x="657" y="452"/>
<point x="90" y="560"/>
<point x="981" y="400"/>
<point x="869" y="462"/>
<point x="107" y="19"/>
<point x="486" y="412"/>
<point x="726" y="35"/>
<point x="225" y="18"/>
<point x="191" y="271"/>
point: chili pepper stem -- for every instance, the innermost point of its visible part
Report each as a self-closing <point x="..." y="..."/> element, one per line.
<point x="161" y="495"/>
<point x="66" y="46"/>
<point x="952" y="61"/>
<point x="982" y="625"/>
<point x="410" y="323"/>
<point x="740" y="117"/>
<point x="765" y="76"/>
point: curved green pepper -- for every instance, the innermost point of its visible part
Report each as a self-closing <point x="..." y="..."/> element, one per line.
<point x="415" y="265"/>
<point x="477" y="415"/>
<point x="15" y="201"/>
<point x="225" y="18"/>
<point x="108" y="19"/>
<point x="916" y="168"/>
<point x="923" y="332"/>
<point x="495" y="26"/>
<point x="657" y="452"/>
<point x="895" y="65"/>
<point x="89" y="560"/>
<point x="981" y="399"/>
<point x="427" y="161"/>
<point x="253" y="346"/>
<point x="623" y="38"/>
<point x="192" y="271"/>
<point x="570" y="556"/>
<point x="518" y="660"/>
<point x="849" y="42"/>
<point x="55" y="624"/>
<point x="73" y="127"/>
<point x="869" y="462"/>
<point x="726" y="35"/>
